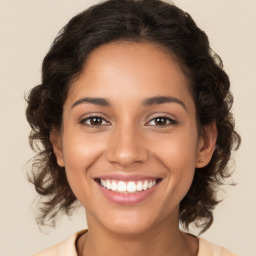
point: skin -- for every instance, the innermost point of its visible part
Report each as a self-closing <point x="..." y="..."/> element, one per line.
<point x="128" y="140"/>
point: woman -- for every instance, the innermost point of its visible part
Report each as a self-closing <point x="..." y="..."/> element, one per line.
<point x="133" y="117"/>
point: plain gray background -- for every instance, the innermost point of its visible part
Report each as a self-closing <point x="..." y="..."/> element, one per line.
<point x="28" y="27"/>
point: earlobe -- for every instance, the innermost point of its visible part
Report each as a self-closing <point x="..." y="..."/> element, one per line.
<point x="55" y="138"/>
<point x="207" y="142"/>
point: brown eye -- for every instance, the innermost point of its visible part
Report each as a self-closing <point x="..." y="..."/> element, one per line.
<point x="94" y="121"/>
<point x="161" y="121"/>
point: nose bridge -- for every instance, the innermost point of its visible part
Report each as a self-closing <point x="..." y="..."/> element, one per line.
<point x="125" y="145"/>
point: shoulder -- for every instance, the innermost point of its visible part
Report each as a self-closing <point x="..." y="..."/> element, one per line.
<point x="209" y="249"/>
<point x="66" y="247"/>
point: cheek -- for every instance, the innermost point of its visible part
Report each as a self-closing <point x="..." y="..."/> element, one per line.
<point x="80" y="150"/>
<point x="177" y="150"/>
<point x="178" y="155"/>
<point x="80" y="153"/>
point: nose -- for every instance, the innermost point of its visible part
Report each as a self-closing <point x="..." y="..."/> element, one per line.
<point x="126" y="147"/>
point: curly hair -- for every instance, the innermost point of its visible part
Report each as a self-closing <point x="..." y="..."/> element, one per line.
<point x="152" y="21"/>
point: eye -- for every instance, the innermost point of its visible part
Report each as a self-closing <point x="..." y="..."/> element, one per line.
<point x="94" y="121"/>
<point x="161" y="121"/>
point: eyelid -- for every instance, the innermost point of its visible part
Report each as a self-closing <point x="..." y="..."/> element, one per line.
<point x="161" y="114"/>
<point x="172" y="120"/>
<point x="91" y="115"/>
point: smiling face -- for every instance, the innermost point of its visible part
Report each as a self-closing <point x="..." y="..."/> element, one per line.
<point x="129" y="140"/>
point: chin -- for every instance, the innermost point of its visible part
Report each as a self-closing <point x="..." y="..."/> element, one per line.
<point x="129" y="228"/>
<point x="130" y="222"/>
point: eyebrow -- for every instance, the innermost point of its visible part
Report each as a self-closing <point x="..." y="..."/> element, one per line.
<point x="96" y="101"/>
<point x="163" y="99"/>
<point x="147" y="102"/>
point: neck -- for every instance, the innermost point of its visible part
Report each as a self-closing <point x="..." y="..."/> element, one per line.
<point x="166" y="239"/>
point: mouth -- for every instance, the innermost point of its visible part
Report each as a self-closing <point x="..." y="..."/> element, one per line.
<point x="127" y="187"/>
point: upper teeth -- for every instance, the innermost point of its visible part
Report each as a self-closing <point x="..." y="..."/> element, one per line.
<point x="127" y="187"/>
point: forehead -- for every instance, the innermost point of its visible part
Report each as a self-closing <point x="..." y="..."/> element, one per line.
<point x="130" y="70"/>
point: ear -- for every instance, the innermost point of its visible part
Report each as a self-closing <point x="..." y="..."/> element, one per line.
<point x="56" y="140"/>
<point x="206" y="145"/>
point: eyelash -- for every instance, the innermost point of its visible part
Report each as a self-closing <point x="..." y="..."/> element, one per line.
<point x="103" y="122"/>
<point x="166" y="119"/>
<point x="90" y="118"/>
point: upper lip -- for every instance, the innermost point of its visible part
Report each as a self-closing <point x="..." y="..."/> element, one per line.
<point x="126" y="177"/>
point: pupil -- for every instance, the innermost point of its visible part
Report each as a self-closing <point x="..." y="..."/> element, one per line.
<point x="96" y="121"/>
<point x="161" y="120"/>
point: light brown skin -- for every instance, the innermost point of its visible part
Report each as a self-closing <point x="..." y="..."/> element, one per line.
<point x="129" y="141"/>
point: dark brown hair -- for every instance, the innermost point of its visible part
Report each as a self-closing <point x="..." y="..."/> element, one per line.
<point x="130" y="20"/>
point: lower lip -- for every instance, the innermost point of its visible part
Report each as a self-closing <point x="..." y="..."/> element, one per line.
<point x="127" y="199"/>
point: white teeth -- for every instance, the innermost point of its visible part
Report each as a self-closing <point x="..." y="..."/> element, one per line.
<point x="131" y="187"/>
<point x="109" y="185"/>
<point x="121" y="186"/>
<point x="114" y="186"/>
<point x="127" y="187"/>
<point x="145" y="185"/>
<point x="103" y="183"/>
<point x="139" y="186"/>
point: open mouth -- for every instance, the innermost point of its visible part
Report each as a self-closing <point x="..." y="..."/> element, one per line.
<point x="127" y="187"/>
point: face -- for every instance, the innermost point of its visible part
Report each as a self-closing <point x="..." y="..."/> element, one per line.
<point x="129" y="139"/>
